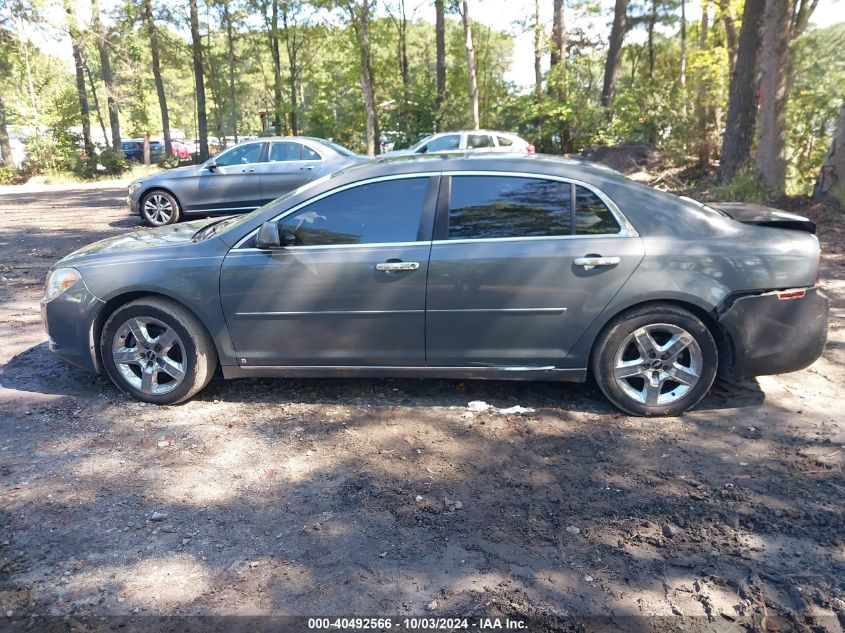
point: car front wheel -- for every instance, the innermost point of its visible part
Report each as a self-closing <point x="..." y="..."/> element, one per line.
<point x="159" y="208"/>
<point x="657" y="360"/>
<point x="156" y="351"/>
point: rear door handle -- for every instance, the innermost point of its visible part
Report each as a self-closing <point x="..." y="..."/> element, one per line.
<point x="593" y="261"/>
<point x="247" y="171"/>
<point x="309" y="168"/>
<point x="388" y="267"/>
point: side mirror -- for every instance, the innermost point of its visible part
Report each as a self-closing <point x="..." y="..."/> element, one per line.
<point x="268" y="236"/>
<point x="211" y="165"/>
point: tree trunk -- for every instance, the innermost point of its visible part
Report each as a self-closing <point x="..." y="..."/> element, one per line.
<point x="440" y="37"/>
<point x="730" y="30"/>
<point x="5" y="145"/>
<point x="538" y="50"/>
<point x="742" y="103"/>
<point x="199" y="80"/>
<point x="108" y="77"/>
<point x="473" y="81"/>
<point x="830" y="185"/>
<point x="277" y="67"/>
<point x="611" y="67"/>
<point x="558" y="48"/>
<point x="162" y="97"/>
<point x="701" y="109"/>
<point x="359" y="15"/>
<point x="230" y="44"/>
<point x="401" y="24"/>
<point x="78" y="50"/>
<point x="96" y="103"/>
<point x="652" y="22"/>
<point x="771" y="140"/>
<point x="292" y="46"/>
<point x="682" y="71"/>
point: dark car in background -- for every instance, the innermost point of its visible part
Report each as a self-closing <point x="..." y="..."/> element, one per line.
<point x="134" y="150"/>
<point x="501" y="266"/>
<point x="238" y="180"/>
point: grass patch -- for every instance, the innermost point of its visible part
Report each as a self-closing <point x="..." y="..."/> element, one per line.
<point x="743" y="187"/>
<point x="70" y="178"/>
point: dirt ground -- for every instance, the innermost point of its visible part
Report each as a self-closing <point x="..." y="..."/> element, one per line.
<point x="391" y="497"/>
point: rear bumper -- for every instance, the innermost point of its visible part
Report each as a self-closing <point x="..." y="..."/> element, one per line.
<point x="776" y="335"/>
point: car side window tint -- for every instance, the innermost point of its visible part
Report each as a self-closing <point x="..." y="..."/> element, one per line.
<point x="442" y="144"/>
<point x="479" y="141"/>
<point x="510" y="206"/>
<point x="386" y="211"/>
<point x="309" y="154"/>
<point x="285" y="151"/>
<point x="592" y="215"/>
<point x="504" y="141"/>
<point x="240" y="155"/>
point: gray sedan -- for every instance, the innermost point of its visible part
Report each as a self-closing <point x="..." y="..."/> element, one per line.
<point x="238" y="180"/>
<point x="461" y="266"/>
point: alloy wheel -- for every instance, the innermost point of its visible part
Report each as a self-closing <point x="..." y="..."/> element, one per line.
<point x="149" y="355"/>
<point x="158" y="209"/>
<point x="658" y="364"/>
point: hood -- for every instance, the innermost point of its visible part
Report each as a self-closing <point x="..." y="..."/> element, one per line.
<point x="142" y="239"/>
<point x="169" y="174"/>
<point x="750" y="213"/>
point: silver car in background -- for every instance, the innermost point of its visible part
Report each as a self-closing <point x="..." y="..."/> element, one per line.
<point x="238" y="180"/>
<point x="468" y="141"/>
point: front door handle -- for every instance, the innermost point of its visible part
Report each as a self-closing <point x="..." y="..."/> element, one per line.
<point x="389" y="267"/>
<point x="309" y="168"/>
<point x="248" y="171"/>
<point x="591" y="261"/>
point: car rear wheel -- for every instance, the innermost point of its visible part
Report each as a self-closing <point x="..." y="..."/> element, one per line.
<point x="156" y="351"/>
<point x="159" y="208"/>
<point x="655" y="360"/>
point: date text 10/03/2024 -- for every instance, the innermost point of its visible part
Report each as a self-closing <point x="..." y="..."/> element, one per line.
<point x="417" y="624"/>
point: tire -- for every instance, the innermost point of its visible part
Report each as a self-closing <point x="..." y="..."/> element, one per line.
<point x="156" y="351"/>
<point x="159" y="208"/>
<point x="673" y="380"/>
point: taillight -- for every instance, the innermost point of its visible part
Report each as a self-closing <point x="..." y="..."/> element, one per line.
<point x="529" y="149"/>
<point x="792" y="294"/>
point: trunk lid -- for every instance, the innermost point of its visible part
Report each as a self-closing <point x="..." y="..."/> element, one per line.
<point x="751" y="213"/>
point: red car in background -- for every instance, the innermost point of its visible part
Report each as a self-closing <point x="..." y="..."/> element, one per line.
<point x="181" y="150"/>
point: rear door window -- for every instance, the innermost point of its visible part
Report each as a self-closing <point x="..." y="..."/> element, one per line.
<point x="479" y="141"/>
<point x="483" y="207"/>
<point x="379" y="212"/>
<point x="285" y="151"/>
<point x="504" y="141"/>
<point x="592" y="216"/>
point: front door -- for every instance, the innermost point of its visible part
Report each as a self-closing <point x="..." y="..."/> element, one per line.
<point x="350" y="292"/>
<point x="233" y="186"/>
<point x="289" y="165"/>
<point x="515" y="276"/>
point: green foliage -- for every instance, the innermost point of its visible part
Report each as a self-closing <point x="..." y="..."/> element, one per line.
<point x="11" y="176"/>
<point x="112" y="162"/>
<point x="744" y="187"/>
<point x="817" y="89"/>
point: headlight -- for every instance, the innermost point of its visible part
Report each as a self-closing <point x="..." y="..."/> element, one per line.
<point x="60" y="280"/>
<point x="134" y="186"/>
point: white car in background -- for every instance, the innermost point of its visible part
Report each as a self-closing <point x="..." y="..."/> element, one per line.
<point x="468" y="140"/>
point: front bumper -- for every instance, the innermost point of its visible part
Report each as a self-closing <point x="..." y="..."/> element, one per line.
<point x="68" y="319"/>
<point x="134" y="201"/>
<point x="776" y="335"/>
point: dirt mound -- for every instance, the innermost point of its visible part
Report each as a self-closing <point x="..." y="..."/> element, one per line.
<point x="627" y="157"/>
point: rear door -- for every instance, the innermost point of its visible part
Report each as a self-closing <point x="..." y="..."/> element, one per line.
<point x="351" y="292"/>
<point x="508" y="284"/>
<point x="289" y="165"/>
